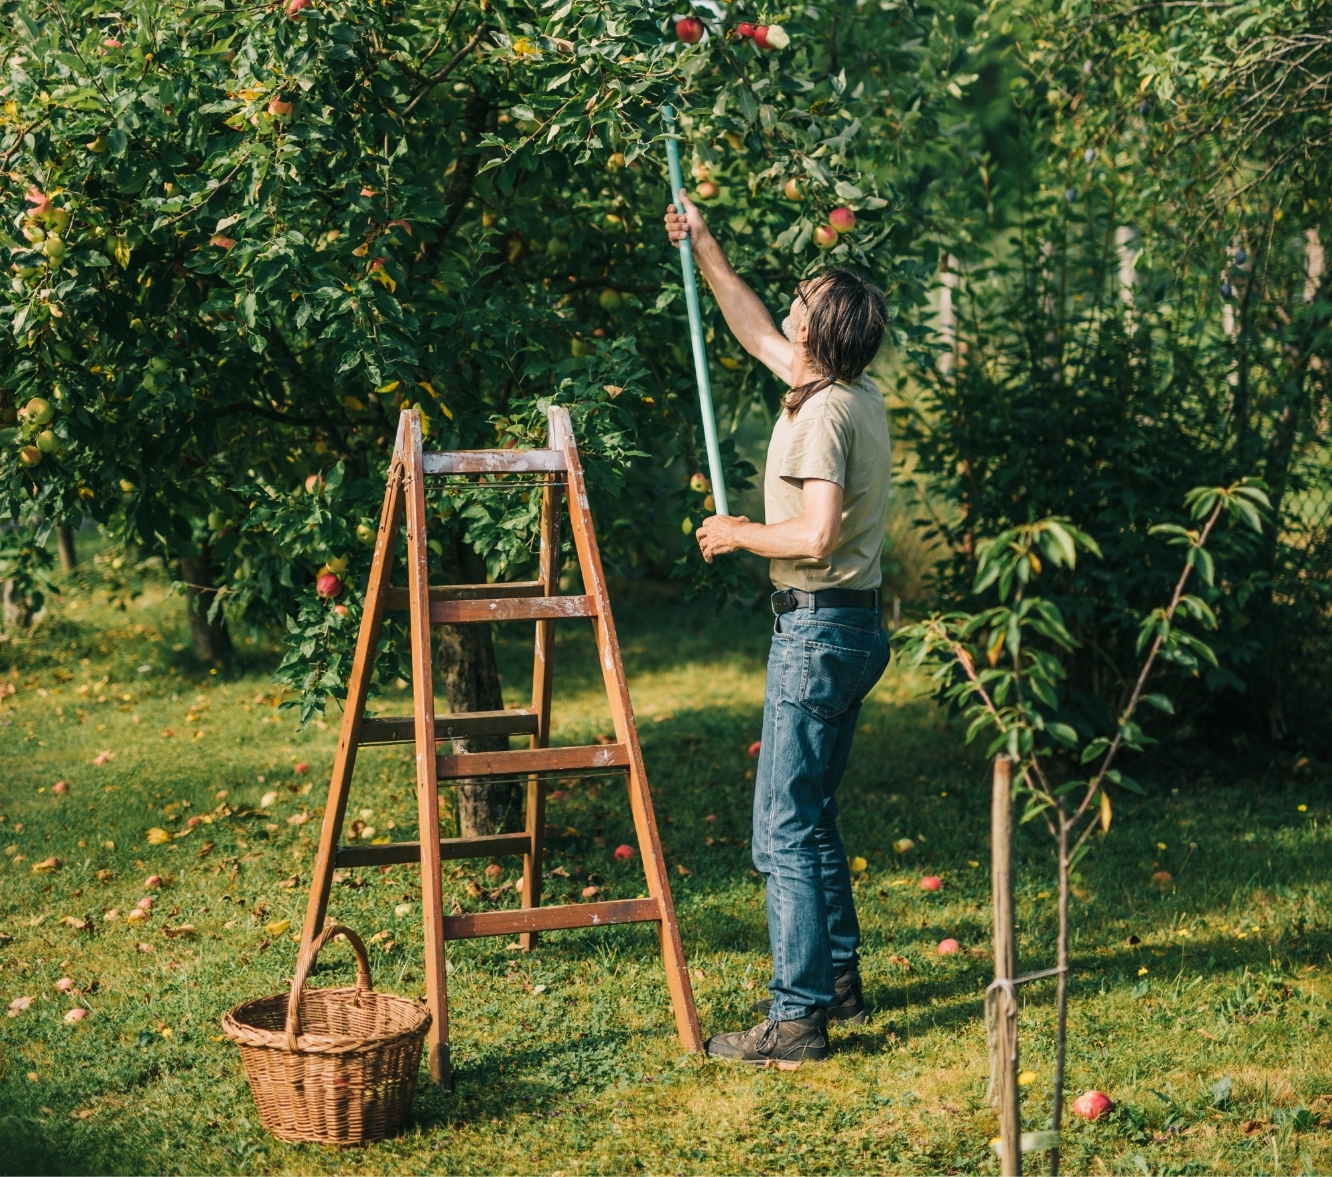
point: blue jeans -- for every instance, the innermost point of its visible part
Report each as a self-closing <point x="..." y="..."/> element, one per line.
<point x="821" y="666"/>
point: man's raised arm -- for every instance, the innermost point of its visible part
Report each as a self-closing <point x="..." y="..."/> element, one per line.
<point x="745" y="314"/>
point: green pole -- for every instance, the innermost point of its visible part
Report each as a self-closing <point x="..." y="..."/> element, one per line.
<point x="695" y="324"/>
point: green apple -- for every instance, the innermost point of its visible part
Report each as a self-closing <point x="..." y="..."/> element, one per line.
<point x="30" y="456"/>
<point x="39" y="411"/>
<point x="365" y="533"/>
<point x="47" y="442"/>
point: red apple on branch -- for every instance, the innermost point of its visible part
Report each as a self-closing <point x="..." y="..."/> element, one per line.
<point x="825" y="236"/>
<point x="744" y="29"/>
<point x="842" y="219"/>
<point x="328" y="586"/>
<point x="689" y="29"/>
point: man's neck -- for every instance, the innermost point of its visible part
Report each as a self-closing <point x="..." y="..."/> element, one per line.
<point x="802" y="371"/>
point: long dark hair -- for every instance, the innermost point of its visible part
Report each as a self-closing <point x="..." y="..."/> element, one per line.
<point x="846" y="325"/>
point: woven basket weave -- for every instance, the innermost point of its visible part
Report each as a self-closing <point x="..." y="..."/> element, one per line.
<point x="331" y="1066"/>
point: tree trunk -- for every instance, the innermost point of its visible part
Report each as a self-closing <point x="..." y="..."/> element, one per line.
<point x="466" y="658"/>
<point x="212" y="642"/>
<point x="69" y="557"/>
<point x="16" y="608"/>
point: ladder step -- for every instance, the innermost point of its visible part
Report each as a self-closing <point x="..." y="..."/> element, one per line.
<point x="401" y="729"/>
<point x="396" y="598"/>
<point x="530" y="760"/>
<point x="393" y="852"/>
<point x="529" y="609"/>
<point x="493" y="462"/>
<point x="549" y="919"/>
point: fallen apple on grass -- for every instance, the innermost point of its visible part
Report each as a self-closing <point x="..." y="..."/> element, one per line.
<point x="65" y="984"/>
<point x="754" y="749"/>
<point x="931" y="883"/>
<point x="494" y="870"/>
<point x="1163" y="878"/>
<point x="77" y="1014"/>
<point x="1092" y="1105"/>
<point x="858" y="864"/>
<point x="624" y="853"/>
<point x="902" y="845"/>
<point x="948" y="947"/>
<point x="59" y="787"/>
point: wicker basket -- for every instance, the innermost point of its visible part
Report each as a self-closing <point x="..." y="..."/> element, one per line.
<point x="331" y="1066"/>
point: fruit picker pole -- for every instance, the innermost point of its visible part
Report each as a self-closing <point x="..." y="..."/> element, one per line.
<point x="695" y="323"/>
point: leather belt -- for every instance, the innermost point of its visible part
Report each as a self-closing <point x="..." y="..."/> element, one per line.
<point x="788" y="600"/>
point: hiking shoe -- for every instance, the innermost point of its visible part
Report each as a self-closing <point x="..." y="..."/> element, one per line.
<point x="848" y="1000"/>
<point x="784" y="1044"/>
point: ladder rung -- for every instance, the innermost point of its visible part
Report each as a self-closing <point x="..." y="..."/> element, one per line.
<point x="397" y="598"/>
<point x="493" y="462"/>
<point x="401" y="729"/>
<point x="529" y="609"/>
<point x="529" y="760"/>
<point x="549" y="919"/>
<point x="486" y="847"/>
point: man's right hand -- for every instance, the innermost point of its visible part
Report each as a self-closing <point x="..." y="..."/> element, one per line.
<point x="689" y="223"/>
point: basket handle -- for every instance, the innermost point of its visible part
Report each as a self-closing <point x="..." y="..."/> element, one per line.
<point x="306" y="963"/>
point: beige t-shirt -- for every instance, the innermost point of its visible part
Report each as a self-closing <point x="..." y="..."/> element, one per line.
<point x="841" y="435"/>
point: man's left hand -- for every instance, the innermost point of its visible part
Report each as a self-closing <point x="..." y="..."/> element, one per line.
<point x="719" y="534"/>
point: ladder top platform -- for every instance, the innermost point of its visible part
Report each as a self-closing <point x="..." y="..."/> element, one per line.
<point x="493" y="462"/>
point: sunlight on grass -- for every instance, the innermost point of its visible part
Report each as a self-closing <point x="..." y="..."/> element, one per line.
<point x="566" y="1058"/>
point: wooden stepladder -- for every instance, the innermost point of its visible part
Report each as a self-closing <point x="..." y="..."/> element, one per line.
<point x="559" y="470"/>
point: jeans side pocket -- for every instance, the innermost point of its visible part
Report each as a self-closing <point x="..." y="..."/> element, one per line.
<point x="830" y="678"/>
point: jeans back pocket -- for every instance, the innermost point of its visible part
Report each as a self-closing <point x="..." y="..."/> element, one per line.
<point x="830" y="678"/>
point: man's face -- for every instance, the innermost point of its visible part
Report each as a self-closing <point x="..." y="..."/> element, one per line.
<point x="796" y="324"/>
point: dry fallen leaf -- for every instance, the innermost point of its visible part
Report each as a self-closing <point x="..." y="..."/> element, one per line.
<point x="158" y="836"/>
<point x="142" y="946"/>
<point x="46" y="866"/>
<point x="18" y="1005"/>
<point x="277" y="927"/>
<point x="186" y="930"/>
<point x="204" y="850"/>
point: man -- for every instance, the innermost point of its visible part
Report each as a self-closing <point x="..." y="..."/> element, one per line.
<point x="826" y="501"/>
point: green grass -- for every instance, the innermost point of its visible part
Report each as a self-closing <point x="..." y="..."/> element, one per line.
<point x="1227" y="977"/>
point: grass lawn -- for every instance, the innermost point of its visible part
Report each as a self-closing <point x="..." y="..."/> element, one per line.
<point x="566" y="1059"/>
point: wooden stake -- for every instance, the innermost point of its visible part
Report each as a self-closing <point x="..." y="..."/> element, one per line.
<point x="1001" y="998"/>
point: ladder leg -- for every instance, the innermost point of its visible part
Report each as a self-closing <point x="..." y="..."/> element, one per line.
<point x="358" y="686"/>
<point x="427" y="789"/>
<point x="626" y="732"/>
<point x="543" y="666"/>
